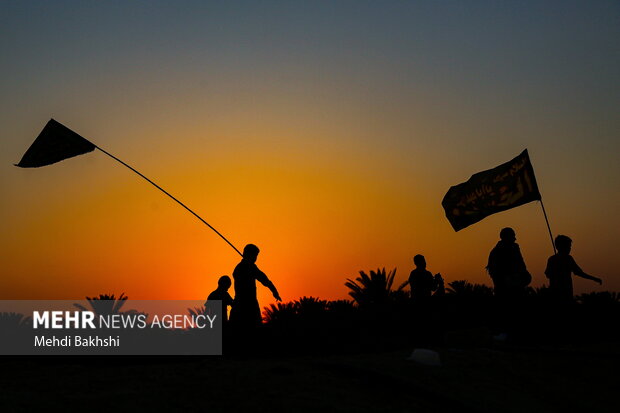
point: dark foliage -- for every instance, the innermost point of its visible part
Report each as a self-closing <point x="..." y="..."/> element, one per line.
<point x="372" y="290"/>
<point x="104" y="304"/>
<point x="467" y="314"/>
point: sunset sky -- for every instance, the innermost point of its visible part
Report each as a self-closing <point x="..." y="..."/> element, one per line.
<point x="327" y="133"/>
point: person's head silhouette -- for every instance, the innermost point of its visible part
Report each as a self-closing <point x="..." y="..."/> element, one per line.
<point x="508" y="235"/>
<point x="224" y="283"/>
<point x="419" y="261"/>
<point x="250" y="253"/>
<point x="563" y="244"/>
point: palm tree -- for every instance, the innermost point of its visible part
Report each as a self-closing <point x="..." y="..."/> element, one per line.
<point x="340" y="306"/>
<point x="372" y="290"/>
<point x="11" y="320"/>
<point x="310" y="306"/>
<point x="197" y="311"/>
<point x="341" y="313"/>
<point x="464" y="288"/>
<point x="104" y="304"/>
<point x="280" y="312"/>
<point x="599" y="299"/>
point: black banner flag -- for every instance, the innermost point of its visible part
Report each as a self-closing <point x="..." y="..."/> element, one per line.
<point x="504" y="187"/>
<point x="55" y="143"/>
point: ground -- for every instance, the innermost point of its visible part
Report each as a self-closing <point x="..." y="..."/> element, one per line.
<point x="470" y="380"/>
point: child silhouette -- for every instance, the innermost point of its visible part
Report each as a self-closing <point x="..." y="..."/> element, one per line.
<point x="559" y="269"/>
<point x="221" y="293"/>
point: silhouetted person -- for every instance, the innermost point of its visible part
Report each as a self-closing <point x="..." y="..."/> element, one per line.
<point x="559" y="269"/>
<point x="507" y="268"/>
<point x="421" y="281"/>
<point x="221" y="293"/>
<point x="246" y="311"/>
<point x="424" y="315"/>
<point x="510" y="280"/>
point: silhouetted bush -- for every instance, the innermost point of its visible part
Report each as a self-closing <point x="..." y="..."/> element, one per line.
<point x="104" y="304"/>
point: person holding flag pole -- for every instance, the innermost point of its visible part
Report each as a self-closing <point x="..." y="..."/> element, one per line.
<point x="56" y="142"/>
<point x="504" y="187"/>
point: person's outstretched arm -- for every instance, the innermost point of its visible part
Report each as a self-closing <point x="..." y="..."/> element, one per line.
<point x="579" y="272"/>
<point x="275" y="293"/>
<point x="262" y="278"/>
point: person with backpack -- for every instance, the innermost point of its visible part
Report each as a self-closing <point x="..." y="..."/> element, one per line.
<point x="510" y="280"/>
<point x="507" y="267"/>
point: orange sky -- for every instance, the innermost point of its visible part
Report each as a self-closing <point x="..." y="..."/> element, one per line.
<point x="329" y="149"/>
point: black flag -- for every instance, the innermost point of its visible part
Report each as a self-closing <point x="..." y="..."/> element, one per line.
<point x="55" y="143"/>
<point x="504" y="187"/>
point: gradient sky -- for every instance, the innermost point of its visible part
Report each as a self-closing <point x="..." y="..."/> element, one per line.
<point x="326" y="133"/>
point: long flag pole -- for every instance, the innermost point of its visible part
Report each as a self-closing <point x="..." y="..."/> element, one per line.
<point x="548" y="226"/>
<point x="56" y="142"/>
<point x="167" y="193"/>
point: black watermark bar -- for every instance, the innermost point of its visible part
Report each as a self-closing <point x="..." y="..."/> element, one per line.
<point x="110" y="327"/>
